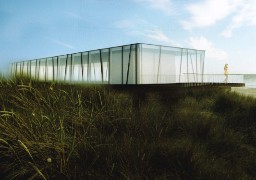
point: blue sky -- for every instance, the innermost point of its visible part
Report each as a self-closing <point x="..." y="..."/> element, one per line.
<point x="226" y="29"/>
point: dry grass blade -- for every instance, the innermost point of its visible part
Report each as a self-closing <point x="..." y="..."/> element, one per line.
<point x="38" y="171"/>
<point x="26" y="149"/>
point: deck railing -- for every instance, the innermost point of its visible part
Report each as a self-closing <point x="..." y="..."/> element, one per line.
<point x="192" y="78"/>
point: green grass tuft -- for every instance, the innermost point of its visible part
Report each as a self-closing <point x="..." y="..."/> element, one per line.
<point x="60" y="131"/>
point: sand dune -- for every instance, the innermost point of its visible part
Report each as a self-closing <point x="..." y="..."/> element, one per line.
<point x="245" y="91"/>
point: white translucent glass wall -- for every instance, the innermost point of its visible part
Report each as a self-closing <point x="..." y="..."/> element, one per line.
<point x="116" y="66"/>
<point x="77" y="67"/>
<point x="191" y="66"/>
<point x="85" y="66"/>
<point x="196" y="66"/>
<point x="95" y="67"/>
<point x="33" y="69"/>
<point x="157" y="65"/>
<point x="130" y="64"/>
<point x="89" y="67"/>
<point x="105" y="54"/>
<point x="123" y="65"/>
<point x="49" y="69"/>
<point x="42" y="69"/>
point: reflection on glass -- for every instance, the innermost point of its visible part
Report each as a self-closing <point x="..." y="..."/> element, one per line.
<point x="128" y="64"/>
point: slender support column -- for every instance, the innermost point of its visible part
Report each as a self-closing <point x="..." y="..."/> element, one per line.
<point x="36" y="71"/>
<point x="136" y="64"/>
<point x="192" y="68"/>
<point x="196" y="68"/>
<point x="39" y="68"/>
<point x="88" y="68"/>
<point x="159" y="60"/>
<point x="129" y="64"/>
<point x="109" y="61"/>
<point x="180" y="63"/>
<point x="82" y="65"/>
<point x="122" y="64"/>
<point x="30" y="68"/>
<point x="101" y="66"/>
<point x="202" y="68"/>
<point x="57" y="68"/>
<point x="187" y="67"/>
<point x="27" y="75"/>
<point x="71" y="69"/>
<point x="22" y="68"/>
<point x="66" y="68"/>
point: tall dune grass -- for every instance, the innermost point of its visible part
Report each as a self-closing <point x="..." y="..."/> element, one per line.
<point x="57" y="131"/>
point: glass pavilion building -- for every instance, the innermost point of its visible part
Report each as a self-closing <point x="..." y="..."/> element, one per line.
<point x="127" y="64"/>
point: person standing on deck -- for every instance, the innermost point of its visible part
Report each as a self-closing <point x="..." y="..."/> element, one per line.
<point x="226" y="73"/>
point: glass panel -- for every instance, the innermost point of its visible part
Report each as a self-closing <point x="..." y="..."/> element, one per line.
<point x="68" y="69"/>
<point x="61" y="67"/>
<point x="105" y="65"/>
<point x="149" y="64"/>
<point x="55" y="68"/>
<point x="18" y="68"/>
<point x="77" y="67"/>
<point x="158" y="64"/>
<point x="24" y="69"/>
<point x="129" y="64"/>
<point x="116" y="66"/>
<point x="85" y="66"/>
<point x="49" y="69"/>
<point x="33" y="69"/>
<point x="166" y="66"/>
<point x="95" y="66"/>
<point x="42" y="69"/>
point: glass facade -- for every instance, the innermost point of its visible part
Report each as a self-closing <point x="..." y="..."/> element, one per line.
<point x="128" y="64"/>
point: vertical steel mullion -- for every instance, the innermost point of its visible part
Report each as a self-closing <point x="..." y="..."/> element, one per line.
<point x="122" y="64"/>
<point x="203" y="68"/>
<point x="129" y="64"/>
<point x="192" y="68"/>
<point x="27" y="75"/>
<point x="57" y="78"/>
<point x="101" y="66"/>
<point x="23" y="68"/>
<point x="71" y="68"/>
<point x="39" y="63"/>
<point x="66" y="68"/>
<point x="136" y="64"/>
<point x="180" y="63"/>
<point x="30" y="68"/>
<point x="36" y="68"/>
<point x="109" y="59"/>
<point x="20" y="68"/>
<point x="160" y="53"/>
<point x="82" y="65"/>
<point x="187" y="67"/>
<point x="196" y="68"/>
<point x="88" y="67"/>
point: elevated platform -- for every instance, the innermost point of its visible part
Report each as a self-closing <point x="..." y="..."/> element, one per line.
<point x="177" y="86"/>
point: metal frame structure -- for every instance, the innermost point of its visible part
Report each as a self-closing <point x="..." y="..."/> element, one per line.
<point x="128" y="64"/>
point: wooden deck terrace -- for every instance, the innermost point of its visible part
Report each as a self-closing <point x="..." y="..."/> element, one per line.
<point x="173" y="86"/>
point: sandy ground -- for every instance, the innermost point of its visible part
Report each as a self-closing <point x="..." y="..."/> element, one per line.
<point x="245" y="91"/>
